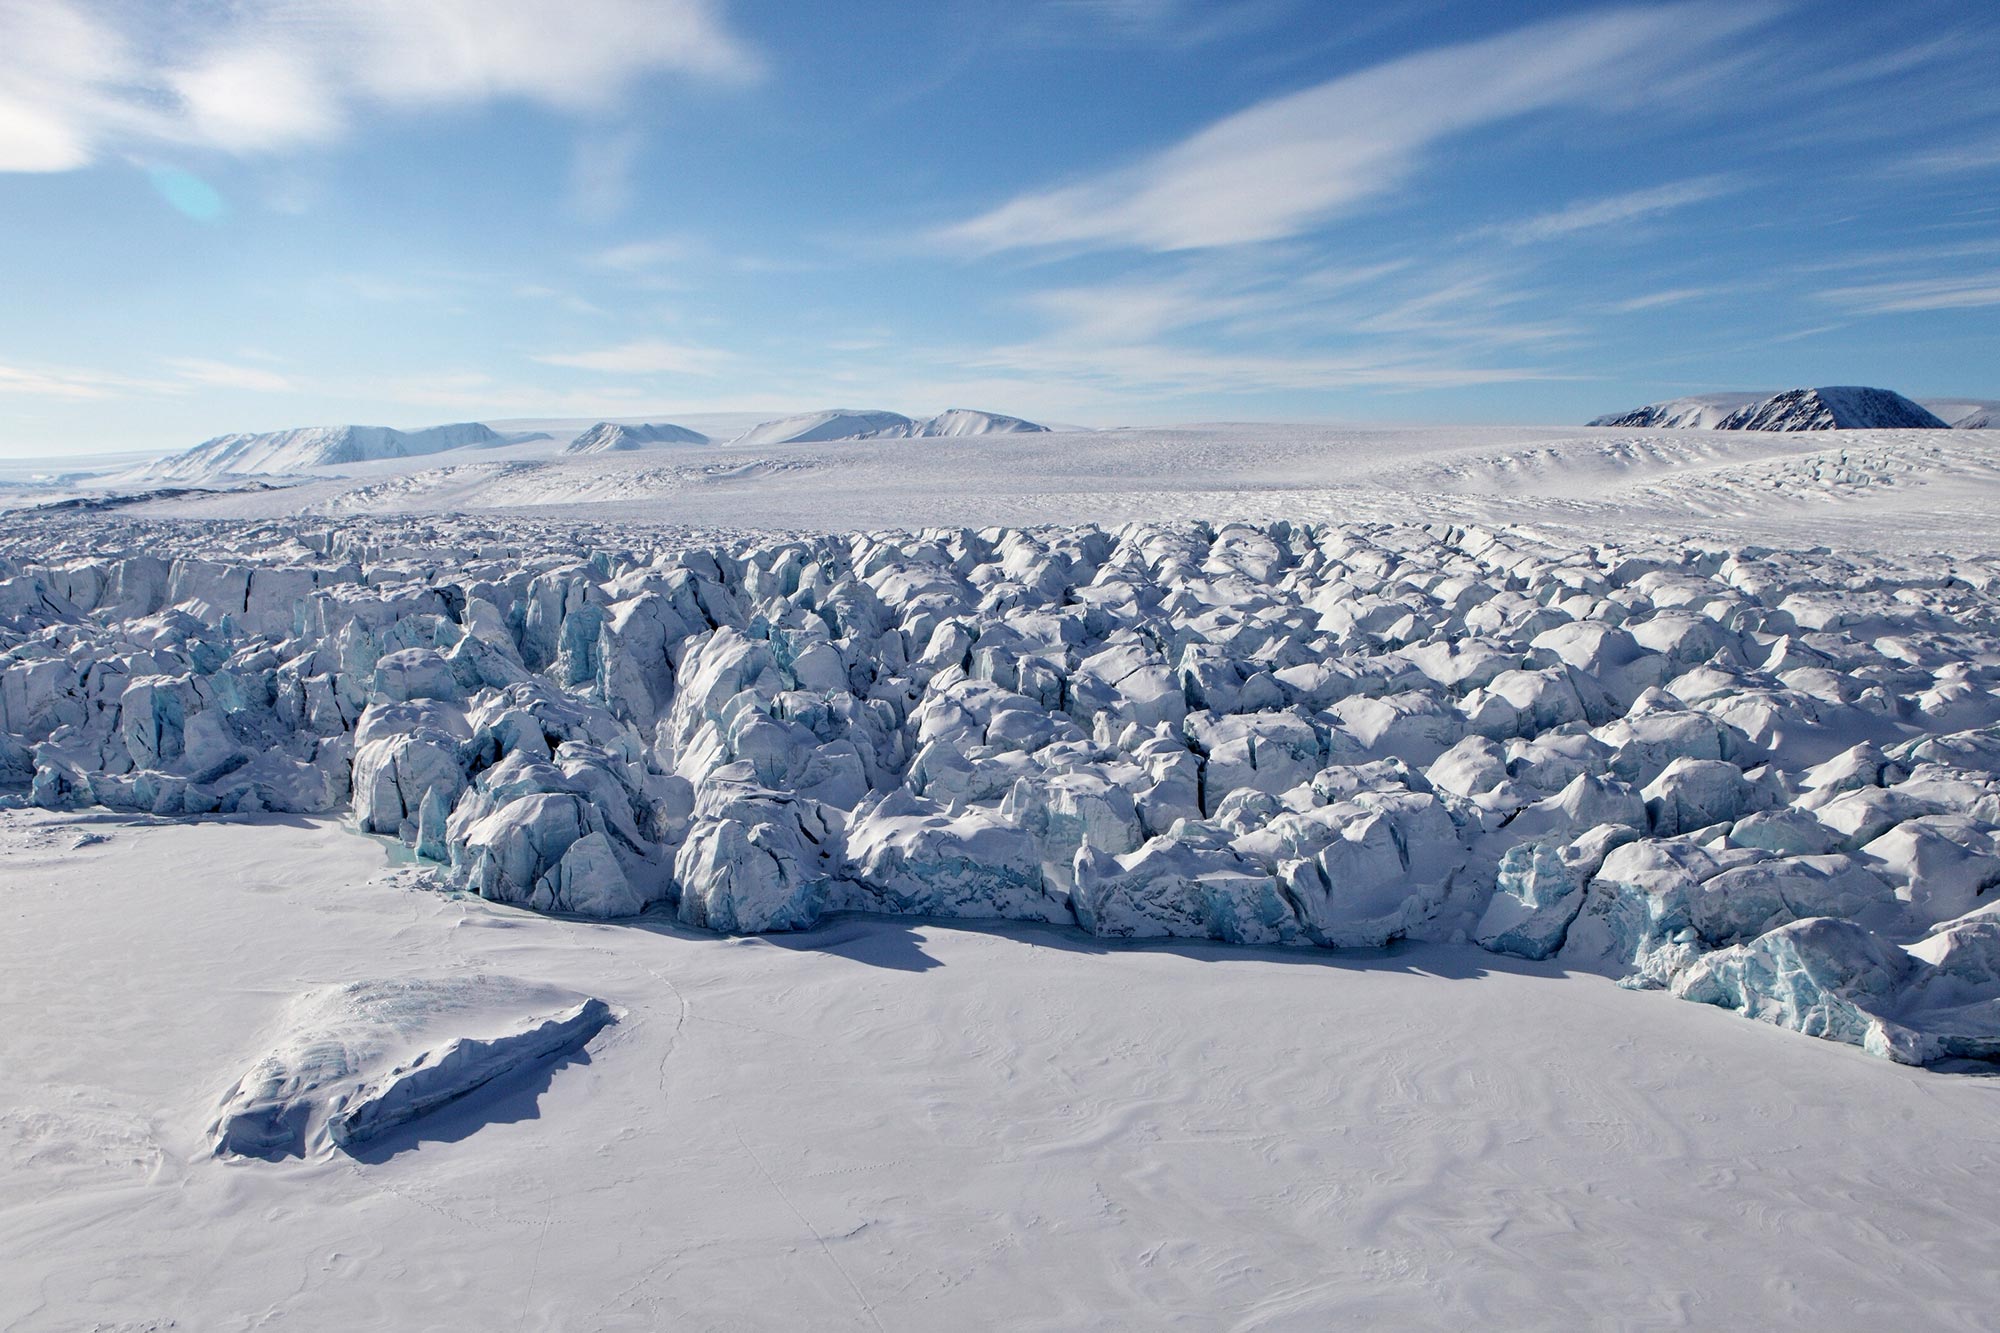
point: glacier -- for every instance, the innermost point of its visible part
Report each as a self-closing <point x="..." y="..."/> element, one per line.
<point x="1653" y="761"/>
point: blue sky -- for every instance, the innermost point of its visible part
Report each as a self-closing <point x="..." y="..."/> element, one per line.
<point x="287" y="212"/>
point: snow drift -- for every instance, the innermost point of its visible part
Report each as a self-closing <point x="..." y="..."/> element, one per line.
<point x="357" y="1060"/>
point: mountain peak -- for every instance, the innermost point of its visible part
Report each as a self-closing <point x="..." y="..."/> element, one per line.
<point x="608" y="437"/>
<point x="302" y="448"/>
<point x="1832" y="407"/>
<point x="1835" y="407"/>
<point x="843" y="423"/>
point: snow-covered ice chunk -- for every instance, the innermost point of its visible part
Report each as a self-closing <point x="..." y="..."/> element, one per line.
<point x="909" y="856"/>
<point x="756" y="860"/>
<point x="356" y="1060"/>
<point x="1188" y="884"/>
<point x="1533" y="903"/>
<point x="1821" y="976"/>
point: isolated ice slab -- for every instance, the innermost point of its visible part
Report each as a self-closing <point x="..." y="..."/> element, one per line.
<point x="356" y="1060"/>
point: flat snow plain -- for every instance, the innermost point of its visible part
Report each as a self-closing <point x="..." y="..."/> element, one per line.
<point x="894" y="1123"/>
<point x="1929" y="490"/>
<point x="885" y="1124"/>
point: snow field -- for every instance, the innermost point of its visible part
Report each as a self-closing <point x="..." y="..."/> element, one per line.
<point x="904" y="1124"/>
<point x="1124" y="849"/>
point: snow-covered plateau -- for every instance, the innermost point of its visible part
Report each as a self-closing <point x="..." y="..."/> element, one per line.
<point x="1240" y="876"/>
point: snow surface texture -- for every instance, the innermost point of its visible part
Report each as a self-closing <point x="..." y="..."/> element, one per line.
<point x="1830" y="408"/>
<point x="318" y="449"/>
<point x="610" y="437"/>
<point x="890" y="1124"/>
<point x="1647" y="760"/>
<point x="1917" y="492"/>
<point x="289" y="451"/>
<point x="357" y="1060"/>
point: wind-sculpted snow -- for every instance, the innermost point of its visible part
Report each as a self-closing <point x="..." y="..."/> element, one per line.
<point x="1763" y="779"/>
<point x="357" y="1060"/>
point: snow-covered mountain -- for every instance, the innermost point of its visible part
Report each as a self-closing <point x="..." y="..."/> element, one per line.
<point x="964" y="421"/>
<point x="306" y="447"/>
<point x="608" y="437"/>
<point x="838" y="423"/>
<point x="1704" y="411"/>
<point x="848" y="424"/>
<point x="1833" y="407"/>
<point x="1967" y="413"/>
<point x="1839" y="407"/>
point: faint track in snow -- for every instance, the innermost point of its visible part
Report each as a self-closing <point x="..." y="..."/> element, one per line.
<point x="806" y="1222"/>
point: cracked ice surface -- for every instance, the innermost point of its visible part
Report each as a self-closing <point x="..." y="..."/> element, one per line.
<point x="1768" y="780"/>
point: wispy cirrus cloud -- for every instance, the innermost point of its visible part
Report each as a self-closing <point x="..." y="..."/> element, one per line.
<point x="76" y="383"/>
<point x="1963" y="158"/>
<point x="229" y="375"/>
<point x="1258" y="322"/>
<point x="1172" y="23"/>
<point x="1660" y="300"/>
<point x="601" y="174"/>
<point x="85" y="78"/>
<point x="1614" y="210"/>
<point x="69" y="382"/>
<point x="1957" y="291"/>
<point x="643" y="356"/>
<point x="1185" y="371"/>
<point x="653" y="253"/>
<point x="1286" y="165"/>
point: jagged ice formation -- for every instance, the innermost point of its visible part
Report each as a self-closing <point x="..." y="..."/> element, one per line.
<point x="1762" y="779"/>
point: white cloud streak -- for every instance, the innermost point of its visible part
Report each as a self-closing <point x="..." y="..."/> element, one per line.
<point x="1960" y="291"/>
<point x="1192" y="372"/>
<point x="68" y="383"/>
<point x="1965" y="158"/>
<point x="228" y="375"/>
<point x="83" y="79"/>
<point x="642" y="256"/>
<point x="1662" y="299"/>
<point x="1615" y="210"/>
<point x="76" y="383"/>
<point x="1286" y="165"/>
<point x="600" y="175"/>
<point x="645" y="356"/>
